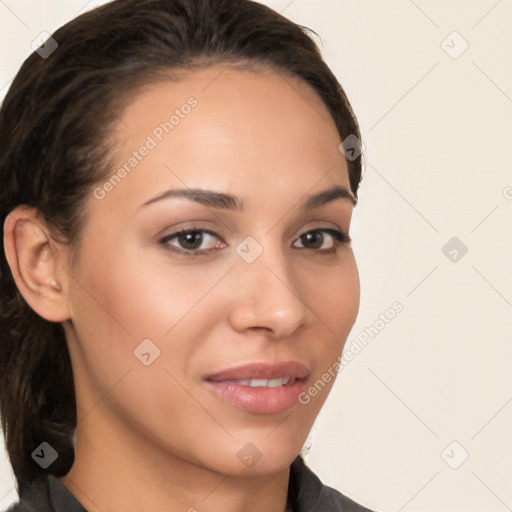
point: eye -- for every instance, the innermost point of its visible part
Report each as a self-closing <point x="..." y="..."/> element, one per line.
<point x="190" y="242"/>
<point x="323" y="240"/>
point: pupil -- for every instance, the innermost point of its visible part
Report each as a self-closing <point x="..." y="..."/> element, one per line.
<point x="311" y="238"/>
<point x="187" y="240"/>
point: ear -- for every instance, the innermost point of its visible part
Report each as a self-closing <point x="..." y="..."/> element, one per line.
<point x="36" y="262"/>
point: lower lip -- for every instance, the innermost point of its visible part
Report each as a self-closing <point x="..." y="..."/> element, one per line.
<point x="259" y="400"/>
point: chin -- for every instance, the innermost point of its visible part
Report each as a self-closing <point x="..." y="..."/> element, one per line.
<point x="262" y="456"/>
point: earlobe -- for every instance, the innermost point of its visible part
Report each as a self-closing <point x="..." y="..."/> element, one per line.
<point x="33" y="257"/>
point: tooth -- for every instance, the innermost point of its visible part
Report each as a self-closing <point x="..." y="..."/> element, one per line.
<point x="275" y="383"/>
<point x="258" y="383"/>
<point x="264" y="383"/>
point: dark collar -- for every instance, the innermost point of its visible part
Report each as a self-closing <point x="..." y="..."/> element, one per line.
<point x="306" y="493"/>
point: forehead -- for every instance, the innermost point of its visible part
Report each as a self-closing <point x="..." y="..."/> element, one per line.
<point x="230" y="129"/>
<point x="232" y="103"/>
<point x="233" y="86"/>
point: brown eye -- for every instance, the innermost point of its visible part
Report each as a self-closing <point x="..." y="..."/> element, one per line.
<point x="190" y="241"/>
<point x="316" y="239"/>
<point x="312" y="240"/>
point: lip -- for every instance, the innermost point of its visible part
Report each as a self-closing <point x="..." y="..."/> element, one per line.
<point x="263" y="370"/>
<point x="260" y="400"/>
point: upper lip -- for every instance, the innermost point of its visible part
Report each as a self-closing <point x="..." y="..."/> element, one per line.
<point x="263" y="370"/>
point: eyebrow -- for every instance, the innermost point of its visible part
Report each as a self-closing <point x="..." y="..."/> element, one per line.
<point x="230" y="202"/>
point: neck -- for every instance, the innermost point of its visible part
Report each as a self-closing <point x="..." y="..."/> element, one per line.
<point x="112" y="473"/>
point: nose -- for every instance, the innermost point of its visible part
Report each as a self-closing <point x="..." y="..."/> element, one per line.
<point x="267" y="297"/>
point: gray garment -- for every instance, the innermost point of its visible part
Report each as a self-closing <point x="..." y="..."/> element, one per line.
<point x="306" y="493"/>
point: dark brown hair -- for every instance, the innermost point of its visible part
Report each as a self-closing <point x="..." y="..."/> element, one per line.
<point x="54" y="127"/>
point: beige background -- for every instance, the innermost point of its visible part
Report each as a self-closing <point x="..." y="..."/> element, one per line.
<point x="437" y="125"/>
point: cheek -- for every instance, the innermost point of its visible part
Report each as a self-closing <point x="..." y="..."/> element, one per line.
<point x="336" y="305"/>
<point x="136" y="295"/>
<point x="122" y="298"/>
<point x="118" y="301"/>
<point x="348" y="291"/>
<point x="335" y="300"/>
<point x="334" y="296"/>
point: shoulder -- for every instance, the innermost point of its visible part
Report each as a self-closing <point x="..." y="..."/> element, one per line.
<point x="46" y="494"/>
<point x="14" y="508"/>
<point x="307" y="493"/>
<point x="18" y="507"/>
<point x="33" y="497"/>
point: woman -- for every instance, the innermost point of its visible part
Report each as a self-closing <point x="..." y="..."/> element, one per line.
<point x="177" y="276"/>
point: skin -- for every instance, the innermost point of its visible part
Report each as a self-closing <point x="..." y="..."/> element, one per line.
<point x="154" y="437"/>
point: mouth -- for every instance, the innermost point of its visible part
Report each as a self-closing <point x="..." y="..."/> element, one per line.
<point x="262" y="383"/>
<point x="262" y="388"/>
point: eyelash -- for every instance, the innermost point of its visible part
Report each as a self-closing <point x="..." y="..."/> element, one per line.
<point x="340" y="238"/>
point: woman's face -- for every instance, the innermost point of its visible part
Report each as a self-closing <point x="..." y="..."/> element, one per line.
<point x="171" y="335"/>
